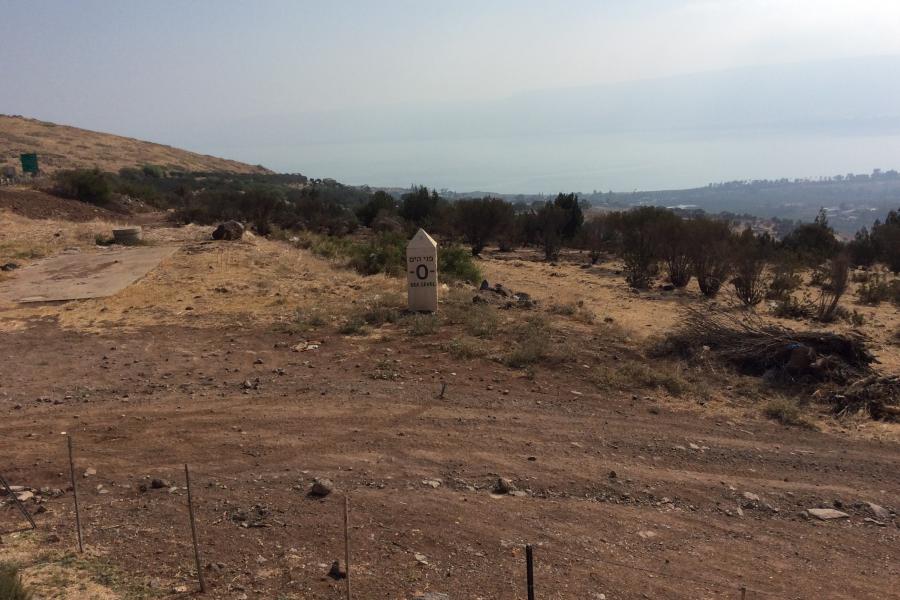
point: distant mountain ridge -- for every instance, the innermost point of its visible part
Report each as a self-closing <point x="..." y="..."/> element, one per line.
<point x="64" y="147"/>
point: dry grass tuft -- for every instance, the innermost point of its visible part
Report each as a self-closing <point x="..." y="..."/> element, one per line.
<point x="786" y="412"/>
<point x="634" y="375"/>
<point x="465" y="348"/>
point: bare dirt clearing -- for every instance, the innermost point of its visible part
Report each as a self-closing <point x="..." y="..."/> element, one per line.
<point x="633" y="480"/>
<point x="89" y="275"/>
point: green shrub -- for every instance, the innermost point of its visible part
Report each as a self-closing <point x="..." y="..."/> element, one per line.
<point x="456" y="263"/>
<point x="11" y="586"/>
<point x="386" y="254"/>
<point x="329" y="247"/>
<point x="154" y="171"/>
<point x="86" y="185"/>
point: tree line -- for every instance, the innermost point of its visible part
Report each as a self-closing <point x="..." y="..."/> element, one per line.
<point x="651" y="241"/>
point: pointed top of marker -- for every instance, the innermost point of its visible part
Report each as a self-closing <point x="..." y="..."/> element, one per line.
<point x="422" y="240"/>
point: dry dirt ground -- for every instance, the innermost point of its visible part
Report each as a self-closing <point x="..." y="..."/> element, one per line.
<point x="634" y="479"/>
<point x="64" y="147"/>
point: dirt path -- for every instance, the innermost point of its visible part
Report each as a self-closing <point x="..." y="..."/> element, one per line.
<point x="608" y="480"/>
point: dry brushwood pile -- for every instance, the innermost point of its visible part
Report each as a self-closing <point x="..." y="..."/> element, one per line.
<point x="877" y="395"/>
<point x="761" y="348"/>
<point x="842" y="362"/>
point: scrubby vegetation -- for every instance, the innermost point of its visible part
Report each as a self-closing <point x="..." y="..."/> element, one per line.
<point x="655" y="244"/>
<point x="11" y="586"/>
<point x="86" y="185"/>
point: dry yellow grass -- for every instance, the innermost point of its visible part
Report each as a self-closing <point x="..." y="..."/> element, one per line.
<point x="52" y="574"/>
<point x="205" y="284"/>
<point x="605" y="294"/>
<point x="24" y="240"/>
<point x="64" y="147"/>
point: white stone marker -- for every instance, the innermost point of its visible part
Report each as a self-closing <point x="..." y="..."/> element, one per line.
<point x="421" y="272"/>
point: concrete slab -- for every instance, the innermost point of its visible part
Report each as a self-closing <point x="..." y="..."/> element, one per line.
<point x="83" y="275"/>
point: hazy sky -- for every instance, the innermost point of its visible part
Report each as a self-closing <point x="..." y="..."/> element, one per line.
<point x="161" y="70"/>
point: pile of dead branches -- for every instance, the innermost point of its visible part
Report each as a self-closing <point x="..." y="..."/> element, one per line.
<point x="768" y="349"/>
<point x="838" y="366"/>
<point x="877" y="395"/>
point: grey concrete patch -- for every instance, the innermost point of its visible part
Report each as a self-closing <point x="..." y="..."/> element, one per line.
<point x="83" y="275"/>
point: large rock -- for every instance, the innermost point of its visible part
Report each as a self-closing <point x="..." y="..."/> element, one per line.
<point x="321" y="487"/>
<point x="229" y="231"/>
<point x="880" y="512"/>
<point x="503" y="486"/>
<point x="827" y="514"/>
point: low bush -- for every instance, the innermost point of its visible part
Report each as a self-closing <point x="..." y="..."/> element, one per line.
<point x="303" y="321"/>
<point x="834" y="286"/>
<point x="386" y="254"/>
<point x="457" y="264"/>
<point x="786" y="412"/>
<point x="566" y="310"/>
<point x="353" y="325"/>
<point x="332" y="248"/>
<point x="785" y="278"/>
<point x="576" y="310"/>
<point x="481" y="320"/>
<point x="791" y="308"/>
<point x="375" y="313"/>
<point x="751" y="257"/>
<point x="877" y="290"/>
<point x="638" y="375"/>
<point x="86" y="185"/>
<point x="464" y="348"/>
<point x="11" y="586"/>
<point x="420" y="325"/>
<point x="532" y="343"/>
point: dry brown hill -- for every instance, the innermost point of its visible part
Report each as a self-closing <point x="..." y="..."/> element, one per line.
<point x="64" y="147"/>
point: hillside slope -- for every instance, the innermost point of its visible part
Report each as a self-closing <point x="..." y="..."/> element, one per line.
<point x="64" y="147"/>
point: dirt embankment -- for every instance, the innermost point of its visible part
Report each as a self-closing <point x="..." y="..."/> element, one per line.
<point x="34" y="204"/>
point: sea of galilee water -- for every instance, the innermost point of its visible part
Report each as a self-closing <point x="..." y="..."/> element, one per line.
<point x="576" y="162"/>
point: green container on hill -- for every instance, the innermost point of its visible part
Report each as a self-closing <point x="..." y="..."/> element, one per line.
<point x="29" y="163"/>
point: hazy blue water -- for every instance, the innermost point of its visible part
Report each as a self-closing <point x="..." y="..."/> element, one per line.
<point x="551" y="163"/>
